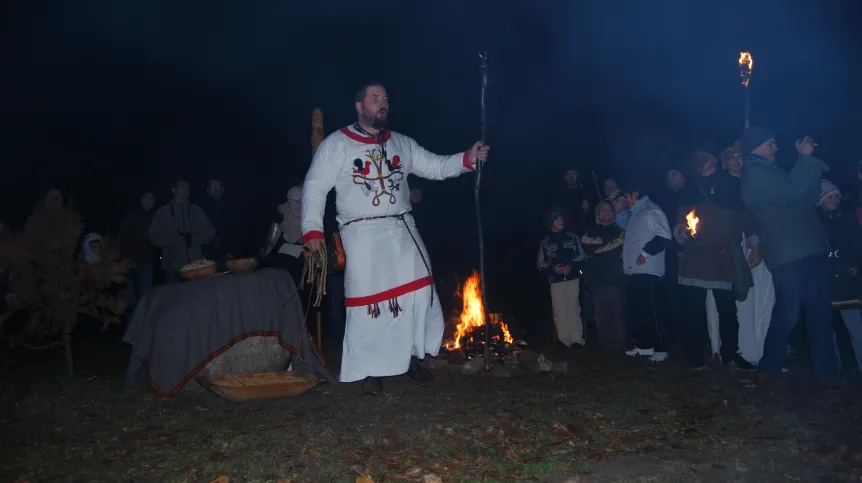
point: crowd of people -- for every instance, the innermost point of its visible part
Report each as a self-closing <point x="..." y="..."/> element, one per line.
<point x="725" y="266"/>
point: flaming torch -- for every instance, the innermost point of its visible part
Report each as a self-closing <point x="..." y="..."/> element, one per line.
<point x="746" y="65"/>
<point x="692" y="222"/>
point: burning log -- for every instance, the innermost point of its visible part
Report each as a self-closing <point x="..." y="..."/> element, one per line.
<point x="469" y="337"/>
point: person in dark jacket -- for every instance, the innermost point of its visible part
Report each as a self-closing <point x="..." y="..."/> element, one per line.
<point x="794" y="246"/>
<point x="560" y="258"/>
<point x="572" y="202"/>
<point x="225" y="216"/>
<point x="603" y="276"/>
<point x="706" y="260"/>
<point x="136" y="250"/>
<point x="845" y="240"/>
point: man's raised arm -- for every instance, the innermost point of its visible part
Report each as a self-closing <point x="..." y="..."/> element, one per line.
<point x="433" y="166"/>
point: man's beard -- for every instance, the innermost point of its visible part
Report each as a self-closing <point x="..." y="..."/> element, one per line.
<point x="376" y="122"/>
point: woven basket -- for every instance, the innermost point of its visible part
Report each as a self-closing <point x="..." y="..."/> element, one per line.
<point x="253" y="354"/>
<point x="259" y="386"/>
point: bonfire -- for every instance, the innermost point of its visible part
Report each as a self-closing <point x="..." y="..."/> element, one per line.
<point x="469" y="336"/>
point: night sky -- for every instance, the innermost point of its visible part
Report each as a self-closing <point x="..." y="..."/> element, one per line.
<point x="106" y="99"/>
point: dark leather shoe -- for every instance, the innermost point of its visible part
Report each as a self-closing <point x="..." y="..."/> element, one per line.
<point x="419" y="375"/>
<point x="371" y="386"/>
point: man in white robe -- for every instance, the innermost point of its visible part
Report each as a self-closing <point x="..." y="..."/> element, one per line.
<point x="393" y="311"/>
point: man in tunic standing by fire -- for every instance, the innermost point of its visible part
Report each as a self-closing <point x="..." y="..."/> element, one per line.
<point x="393" y="312"/>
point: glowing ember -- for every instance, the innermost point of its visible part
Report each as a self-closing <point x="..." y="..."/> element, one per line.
<point x="746" y="65"/>
<point x="692" y="222"/>
<point x="473" y="314"/>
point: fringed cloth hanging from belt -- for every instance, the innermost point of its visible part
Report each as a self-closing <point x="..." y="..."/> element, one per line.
<point x="393" y="306"/>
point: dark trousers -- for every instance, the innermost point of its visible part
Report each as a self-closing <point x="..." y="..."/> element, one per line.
<point x="647" y="323"/>
<point x="610" y="316"/>
<point x="803" y="284"/>
<point x="696" y="329"/>
<point x="139" y="281"/>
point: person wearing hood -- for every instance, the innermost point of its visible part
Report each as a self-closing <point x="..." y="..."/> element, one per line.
<point x="794" y="246"/>
<point x="180" y="229"/>
<point x="603" y="277"/>
<point x="706" y="261"/>
<point x="560" y="257"/>
<point x="845" y="259"/>
<point x="136" y="249"/>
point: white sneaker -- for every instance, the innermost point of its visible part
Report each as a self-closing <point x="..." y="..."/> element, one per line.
<point x="640" y="352"/>
<point x="659" y="357"/>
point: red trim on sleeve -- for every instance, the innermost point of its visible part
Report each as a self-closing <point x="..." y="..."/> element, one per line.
<point x="313" y="235"/>
<point x="466" y="161"/>
<point x="388" y="294"/>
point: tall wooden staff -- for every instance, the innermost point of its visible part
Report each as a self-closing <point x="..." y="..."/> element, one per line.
<point x="316" y="139"/>
<point x="483" y="58"/>
<point x="746" y="66"/>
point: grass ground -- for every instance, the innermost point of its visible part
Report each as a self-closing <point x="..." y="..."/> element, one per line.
<point x="608" y="419"/>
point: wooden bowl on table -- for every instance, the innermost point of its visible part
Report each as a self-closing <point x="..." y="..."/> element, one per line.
<point x="242" y="264"/>
<point x="199" y="269"/>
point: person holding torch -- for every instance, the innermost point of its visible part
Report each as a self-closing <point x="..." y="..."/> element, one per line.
<point x="711" y="220"/>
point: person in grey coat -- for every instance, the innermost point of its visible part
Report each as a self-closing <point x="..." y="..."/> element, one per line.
<point x="794" y="246"/>
<point x="180" y="229"/>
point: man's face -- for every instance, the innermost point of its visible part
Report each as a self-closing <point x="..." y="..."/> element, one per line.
<point x="610" y="187"/>
<point x="604" y="214"/>
<point x="620" y="204"/>
<point x="571" y="177"/>
<point x="675" y="180"/>
<point x="559" y="224"/>
<point x="631" y="198"/>
<point x="734" y="164"/>
<point x="181" y="191"/>
<point x="54" y="199"/>
<point x="215" y="188"/>
<point x="374" y="109"/>
<point x="831" y="202"/>
<point x="148" y="201"/>
<point x="767" y="150"/>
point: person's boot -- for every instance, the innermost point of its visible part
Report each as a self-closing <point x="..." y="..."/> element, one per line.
<point x="419" y="375"/>
<point x="371" y="386"/>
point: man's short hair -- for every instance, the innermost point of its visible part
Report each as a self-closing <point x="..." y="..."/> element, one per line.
<point x="634" y="186"/>
<point x="361" y="93"/>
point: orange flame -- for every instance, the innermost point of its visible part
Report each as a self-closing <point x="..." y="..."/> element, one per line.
<point x="746" y="65"/>
<point x="692" y="222"/>
<point x="473" y="314"/>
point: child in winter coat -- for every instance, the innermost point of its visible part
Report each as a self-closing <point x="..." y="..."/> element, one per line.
<point x="845" y="240"/>
<point x="560" y="258"/>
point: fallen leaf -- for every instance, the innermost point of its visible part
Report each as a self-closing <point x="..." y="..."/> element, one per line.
<point x="218" y="456"/>
<point x="155" y="468"/>
<point x="285" y="480"/>
<point x="364" y="479"/>
<point x="411" y="473"/>
<point x="221" y="479"/>
<point x="431" y="478"/>
<point x="128" y="429"/>
<point x="390" y="435"/>
<point x="561" y="433"/>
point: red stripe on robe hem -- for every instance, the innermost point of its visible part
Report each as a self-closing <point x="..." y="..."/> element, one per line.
<point x="388" y="294"/>
<point x="364" y="139"/>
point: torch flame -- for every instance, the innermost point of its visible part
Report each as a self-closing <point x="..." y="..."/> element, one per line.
<point x="746" y="65"/>
<point x="473" y="313"/>
<point x="692" y="222"/>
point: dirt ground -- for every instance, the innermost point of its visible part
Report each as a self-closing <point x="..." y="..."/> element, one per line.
<point x="607" y="419"/>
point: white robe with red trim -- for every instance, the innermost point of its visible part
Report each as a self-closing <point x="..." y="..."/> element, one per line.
<point x="388" y="287"/>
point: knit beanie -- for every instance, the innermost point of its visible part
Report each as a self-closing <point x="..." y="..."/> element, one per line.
<point x="552" y="217"/>
<point x="828" y="188"/>
<point x="754" y="137"/>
